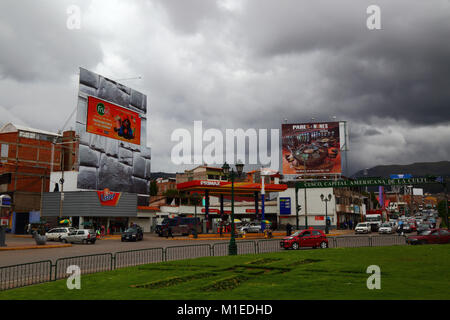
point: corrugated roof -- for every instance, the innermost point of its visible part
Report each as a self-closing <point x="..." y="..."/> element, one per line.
<point x="11" y="127"/>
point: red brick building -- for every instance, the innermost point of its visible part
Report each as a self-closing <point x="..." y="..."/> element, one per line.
<point x="27" y="156"/>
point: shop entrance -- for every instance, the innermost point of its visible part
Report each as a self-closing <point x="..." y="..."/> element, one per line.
<point x="22" y="220"/>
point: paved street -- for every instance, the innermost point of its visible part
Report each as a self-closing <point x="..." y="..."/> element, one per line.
<point x="102" y="246"/>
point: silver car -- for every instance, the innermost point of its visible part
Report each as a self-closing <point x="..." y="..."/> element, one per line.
<point x="251" y="228"/>
<point x="55" y="234"/>
<point x="386" y="228"/>
<point x="80" y="236"/>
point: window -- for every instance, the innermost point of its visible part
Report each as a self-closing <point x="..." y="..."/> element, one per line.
<point x="29" y="135"/>
<point x="80" y="232"/>
<point x="436" y="233"/>
<point x="306" y="234"/>
<point x="444" y="233"/>
<point x="316" y="233"/>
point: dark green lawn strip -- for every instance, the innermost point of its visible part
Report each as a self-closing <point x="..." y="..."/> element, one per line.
<point x="408" y="272"/>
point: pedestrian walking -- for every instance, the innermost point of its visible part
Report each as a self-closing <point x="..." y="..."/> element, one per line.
<point x="350" y="225"/>
<point x="288" y="229"/>
<point x="169" y="232"/>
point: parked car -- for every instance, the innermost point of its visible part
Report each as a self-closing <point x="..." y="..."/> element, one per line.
<point x="406" y="228"/>
<point x="363" y="227"/>
<point x="413" y="226"/>
<point x="133" y="234"/>
<point x="55" y="234"/>
<point x="432" y="236"/>
<point x="386" y="228"/>
<point x="423" y="227"/>
<point x="80" y="236"/>
<point x="305" y="238"/>
<point x="179" y="225"/>
<point x="251" y="228"/>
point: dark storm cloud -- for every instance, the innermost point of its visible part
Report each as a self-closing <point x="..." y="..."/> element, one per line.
<point x="242" y="64"/>
<point x="400" y="72"/>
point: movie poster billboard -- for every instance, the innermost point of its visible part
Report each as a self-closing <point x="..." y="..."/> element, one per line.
<point x="111" y="124"/>
<point x="112" y="121"/>
<point x="311" y="148"/>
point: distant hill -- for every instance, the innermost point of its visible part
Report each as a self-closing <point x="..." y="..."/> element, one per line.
<point x="164" y="175"/>
<point x="420" y="169"/>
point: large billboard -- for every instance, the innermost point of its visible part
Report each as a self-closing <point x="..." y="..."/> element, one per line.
<point x="111" y="123"/>
<point x="311" y="148"/>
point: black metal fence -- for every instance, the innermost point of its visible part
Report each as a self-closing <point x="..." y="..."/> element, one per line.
<point x="88" y="264"/>
<point x="25" y="274"/>
<point x="137" y="257"/>
<point x="44" y="271"/>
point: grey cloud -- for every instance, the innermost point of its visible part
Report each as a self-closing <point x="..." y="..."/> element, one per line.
<point x="37" y="45"/>
<point x="248" y="69"/>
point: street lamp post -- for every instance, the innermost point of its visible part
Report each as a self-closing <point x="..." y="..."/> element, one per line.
<point x="305" y="157"/>
<point x="232" y="247"/>
<point x="322" y="197"/>
<point x="195" y="212"/>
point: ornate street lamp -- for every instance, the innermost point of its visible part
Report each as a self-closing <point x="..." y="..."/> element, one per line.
<point x="232" y="247"/>
<point x="322" y="197"/>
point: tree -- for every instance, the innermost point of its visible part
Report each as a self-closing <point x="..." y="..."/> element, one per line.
<point x="172" y="194"/>
<point x="153" y="188"/>
<point x="443" y="213"/>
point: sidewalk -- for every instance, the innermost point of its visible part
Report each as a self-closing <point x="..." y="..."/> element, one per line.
<point x="256" y="236"/>
<point x="20" y="246"/>
<point x="25" y="242"/>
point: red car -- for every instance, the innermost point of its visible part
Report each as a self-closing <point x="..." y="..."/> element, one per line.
<point x="305" y="238"/>
<point x="432" y="236"/>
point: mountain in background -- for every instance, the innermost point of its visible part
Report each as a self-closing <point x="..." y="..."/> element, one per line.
<point x="164" y="175"/>
<point x="419" y="169"/>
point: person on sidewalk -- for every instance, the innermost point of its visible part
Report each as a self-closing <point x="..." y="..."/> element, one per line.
<point x="288" y="229"/>
<point x="169" y="232"/>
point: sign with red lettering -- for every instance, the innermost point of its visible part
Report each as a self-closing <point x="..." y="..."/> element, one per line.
<point x="108" y="198"/>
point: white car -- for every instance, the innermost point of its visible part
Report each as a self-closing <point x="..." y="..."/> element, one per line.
<point x="386" y="228"/>
<point x="80" y="236"/>
<point x="363" y="227"/>
<point x="55" y="234"/>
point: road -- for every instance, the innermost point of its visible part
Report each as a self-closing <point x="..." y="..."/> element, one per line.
<point x="13" y="257"/>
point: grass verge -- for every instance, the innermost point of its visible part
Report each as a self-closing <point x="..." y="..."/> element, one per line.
<point x="407" y="272"/>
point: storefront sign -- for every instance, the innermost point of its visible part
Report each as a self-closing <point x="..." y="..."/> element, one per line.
<point x="108" y="198"/>
<point x="285" y="206"/>
<point x="109" y="120"/>
<point x="5" y="201"/>
<point x="251" y="211"/>
<point x="364" y="182"/>
<point x="211" y="210"/>
<point x="319" y="218"/>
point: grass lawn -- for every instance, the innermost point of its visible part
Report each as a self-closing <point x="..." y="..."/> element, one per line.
<point x="407" y="272"/>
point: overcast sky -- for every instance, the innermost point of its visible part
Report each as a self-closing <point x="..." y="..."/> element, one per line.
<point x="241" y="64"/>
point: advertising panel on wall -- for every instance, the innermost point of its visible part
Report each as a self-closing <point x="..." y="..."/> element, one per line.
<point x="311" y="148"/>
<point x="111" y="122"/>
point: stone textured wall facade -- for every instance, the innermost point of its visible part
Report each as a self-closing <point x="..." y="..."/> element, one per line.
<point x="109" y="163"/>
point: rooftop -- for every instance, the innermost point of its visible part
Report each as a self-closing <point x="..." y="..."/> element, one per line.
<point x="11" y="127"/>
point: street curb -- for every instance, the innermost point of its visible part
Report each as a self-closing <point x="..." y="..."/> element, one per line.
<point x="36" y="247"/>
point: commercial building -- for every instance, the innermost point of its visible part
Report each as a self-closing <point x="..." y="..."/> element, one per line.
<point x="28" y="156"/>
<point x="345" y="205"/>
<point x="110" y="177"/>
